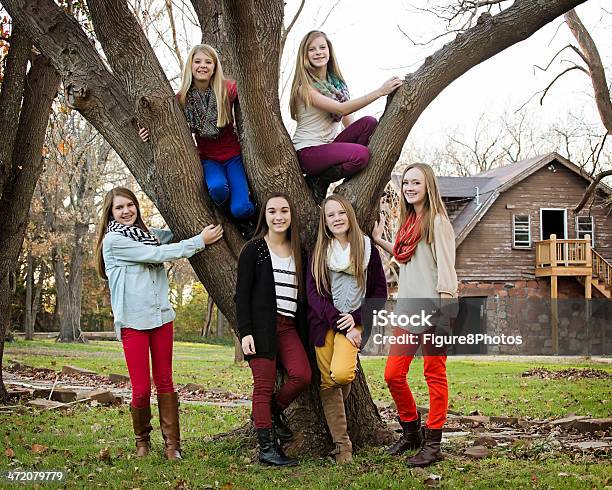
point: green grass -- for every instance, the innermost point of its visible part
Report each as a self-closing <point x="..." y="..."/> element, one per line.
<point x="76" y="438"/>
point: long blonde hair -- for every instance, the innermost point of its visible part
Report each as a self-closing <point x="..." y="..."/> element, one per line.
<point x="106" y="216"/>
<point x="324" y="240"/>
<point x="433" y="205"/>
<point x="304" y="76"/>
<point x="217" y="82"/>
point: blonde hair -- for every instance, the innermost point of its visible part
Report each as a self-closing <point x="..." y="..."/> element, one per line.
<point x="106" y="216"/>
<point x="433" y="205"/>
<point x="324" y="240"/>
<point x="217" y="83"/>
<point x="304" y="77"/>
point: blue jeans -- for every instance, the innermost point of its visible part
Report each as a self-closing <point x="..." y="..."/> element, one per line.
<point x="227" y="180"/>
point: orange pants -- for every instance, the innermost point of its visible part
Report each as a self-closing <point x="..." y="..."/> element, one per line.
<point x="396" y="373"/>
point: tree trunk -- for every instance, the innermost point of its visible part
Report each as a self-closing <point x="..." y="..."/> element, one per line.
<point x="27" y="317"/>
<point x="24" y="106"/>
<point x="238" y="354"/>
<point x="209" y="316"/>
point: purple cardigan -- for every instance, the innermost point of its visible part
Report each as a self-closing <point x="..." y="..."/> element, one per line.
<point x="323" y="315"/>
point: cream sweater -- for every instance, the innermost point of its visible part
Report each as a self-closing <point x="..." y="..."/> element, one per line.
<point x="431" y="270"/>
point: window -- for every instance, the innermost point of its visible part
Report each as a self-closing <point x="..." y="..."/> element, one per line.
<point x="521" y="232"/>
<point x="585" y="225"/>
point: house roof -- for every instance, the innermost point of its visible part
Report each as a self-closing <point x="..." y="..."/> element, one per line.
<point x="487" y="186"/>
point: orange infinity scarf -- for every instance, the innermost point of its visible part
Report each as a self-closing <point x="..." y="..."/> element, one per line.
<point x="407" y="239"/>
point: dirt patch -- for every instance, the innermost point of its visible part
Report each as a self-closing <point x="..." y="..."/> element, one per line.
<point x="570" y="373"/>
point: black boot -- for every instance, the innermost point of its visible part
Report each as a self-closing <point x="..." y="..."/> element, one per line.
<point x="319" y="183"/>
<point x="411" y="437"/>
<point x="247" y="227"/>
<point x="269" y="453"/>
<point x="279" y="422"/>
<point x="430" y="452"/>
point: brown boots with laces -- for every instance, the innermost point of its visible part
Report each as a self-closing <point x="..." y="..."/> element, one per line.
<point x="169" y="422"/>
<point x="416" y="437"/>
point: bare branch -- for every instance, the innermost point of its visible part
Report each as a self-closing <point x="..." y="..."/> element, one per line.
<point x="287" y="30"/>
<point x="575" y="67"/>
<point x="591" y="189"/>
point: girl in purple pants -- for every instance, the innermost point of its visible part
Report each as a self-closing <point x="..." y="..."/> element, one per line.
<point x="319" y="101"/>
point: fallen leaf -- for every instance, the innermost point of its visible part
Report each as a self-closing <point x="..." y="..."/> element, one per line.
<point x="105" y="455"/>
<point x="39" y="448"/>
<point x="9" y="453"/>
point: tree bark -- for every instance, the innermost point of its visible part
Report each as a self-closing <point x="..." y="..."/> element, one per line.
<point x="27" y="317"/>
<point x="24" y="167"/>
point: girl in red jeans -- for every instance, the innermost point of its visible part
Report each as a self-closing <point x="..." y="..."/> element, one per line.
<point x="271" y="313"/>
<point x="425" y="250"/>
<point x="319" y="101"/>
<point x="131" y="257"/>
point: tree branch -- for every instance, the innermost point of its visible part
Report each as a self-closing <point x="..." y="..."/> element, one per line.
<point x="490" y="35"/>
<point x="575" y="67"/>
<point x="596" y="70"/>
<point x="591" y="189"/>
<point x="11" y="92"/>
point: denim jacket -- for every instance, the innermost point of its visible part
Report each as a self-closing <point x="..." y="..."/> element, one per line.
<point x="138" y="285"/>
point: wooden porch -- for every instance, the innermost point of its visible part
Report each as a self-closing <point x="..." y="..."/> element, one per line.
<point x="574" y="258"/>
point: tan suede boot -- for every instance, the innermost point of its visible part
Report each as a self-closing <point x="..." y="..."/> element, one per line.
<point x="346" y="390"/>
<point x="141" y="421"/>
<point x="333" y="407"/>
<point x="169" y="421"/>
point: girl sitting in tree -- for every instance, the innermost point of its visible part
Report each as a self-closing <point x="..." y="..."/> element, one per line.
<point x="208" y="99"/>
<point x="319" y="101"/>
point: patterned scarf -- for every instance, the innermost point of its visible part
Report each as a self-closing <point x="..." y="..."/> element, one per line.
<point x="201" y="112"/>
<point x="134" y="232"/>
<point x="334" y="88"/>
<point x="407" y="239"/>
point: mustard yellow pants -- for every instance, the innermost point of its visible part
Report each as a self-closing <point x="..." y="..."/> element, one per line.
<point x="337" y="360"/>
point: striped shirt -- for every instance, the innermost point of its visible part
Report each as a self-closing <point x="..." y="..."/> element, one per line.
<point x="285" y="283"/>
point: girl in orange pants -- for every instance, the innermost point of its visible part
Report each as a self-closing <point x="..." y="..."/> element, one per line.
<point x="425" y="250"/>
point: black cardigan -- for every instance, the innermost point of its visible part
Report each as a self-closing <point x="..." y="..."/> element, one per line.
<point x="255" y="299"/>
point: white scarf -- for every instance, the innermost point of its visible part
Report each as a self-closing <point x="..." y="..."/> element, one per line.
<point x="339" y="259"/>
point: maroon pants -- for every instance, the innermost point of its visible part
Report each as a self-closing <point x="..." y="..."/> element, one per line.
<point x="349" y="150"/>
<point x="291" y="354"/>
<point x="137" y="344"/>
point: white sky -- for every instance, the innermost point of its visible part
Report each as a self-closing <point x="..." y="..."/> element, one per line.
<point x="371" y="48"/>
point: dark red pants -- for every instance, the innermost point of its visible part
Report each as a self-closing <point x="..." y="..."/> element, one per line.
<point x="137" y="344"/>
<point x="291" y="354"/>
<point x="396" y="374"/>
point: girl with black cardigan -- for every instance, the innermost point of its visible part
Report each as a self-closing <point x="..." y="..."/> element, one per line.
<point x="271" y="312"/>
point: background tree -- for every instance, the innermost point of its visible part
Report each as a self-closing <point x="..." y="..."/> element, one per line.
<point x="25" y="100"/>
<point x="131" y="89"/>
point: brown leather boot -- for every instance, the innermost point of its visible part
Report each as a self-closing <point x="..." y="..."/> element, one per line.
<point x="430" y="452"/>
<point x="169" y="422"/>
<point x="141" y="421"/>
<point x="333" y="407"/>
<point x="411" y="438"/>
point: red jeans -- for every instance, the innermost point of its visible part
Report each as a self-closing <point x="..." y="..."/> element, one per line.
<point x="396" y="373"/>
<point x="136" y="346"/>
<point x="292" y="356"/>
